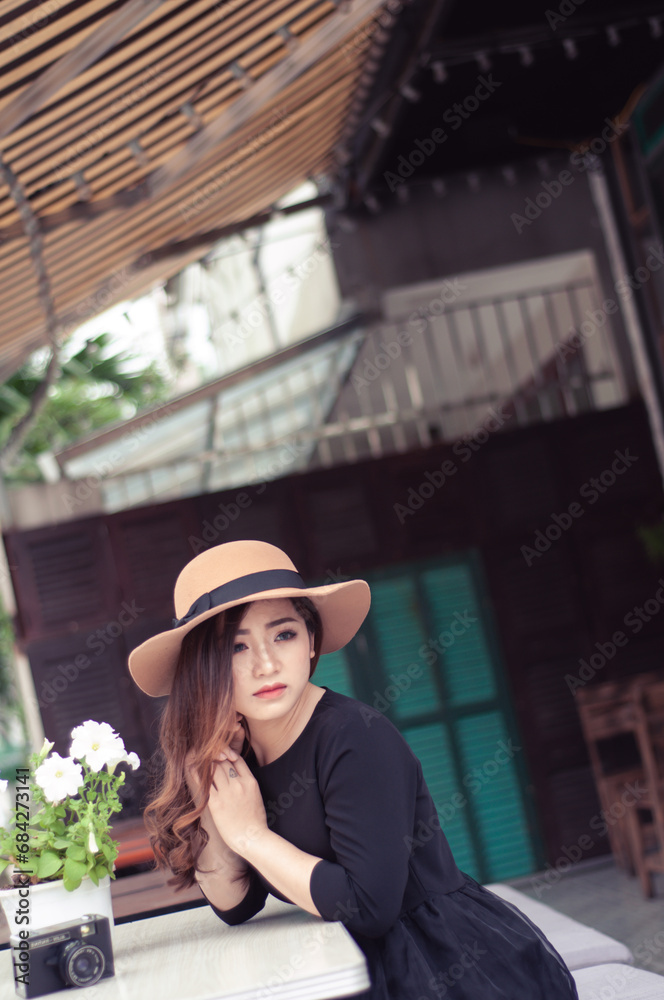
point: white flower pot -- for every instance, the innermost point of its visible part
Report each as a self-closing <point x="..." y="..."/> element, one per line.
<point x="49" y="903"/>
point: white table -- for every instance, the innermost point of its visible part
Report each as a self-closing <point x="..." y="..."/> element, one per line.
<point x="283" y="953"/>
<point x="618" y="982"/>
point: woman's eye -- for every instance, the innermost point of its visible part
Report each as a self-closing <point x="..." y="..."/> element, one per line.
<point x="286" y="634"/>
<point x="238" y="647"/>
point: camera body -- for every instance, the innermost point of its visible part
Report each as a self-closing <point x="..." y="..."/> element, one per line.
<point x="75" y="953"/>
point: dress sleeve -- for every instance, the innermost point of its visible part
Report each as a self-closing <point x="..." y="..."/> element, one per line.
<point x="368" y="781"/>
<point x="253" y="902"/>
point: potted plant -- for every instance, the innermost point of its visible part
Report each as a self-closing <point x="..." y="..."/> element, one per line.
<point x="58" y="851"/>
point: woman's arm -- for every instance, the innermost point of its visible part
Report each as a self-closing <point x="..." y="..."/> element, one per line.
<point x="224" y="877"/>
<point x="284" y="866"/>
<point x="238" y="815"/>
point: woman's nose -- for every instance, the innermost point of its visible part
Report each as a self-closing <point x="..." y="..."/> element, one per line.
<point x="264" y="660"/>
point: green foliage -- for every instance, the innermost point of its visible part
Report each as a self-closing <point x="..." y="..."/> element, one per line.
<point x="64" y="840"/>
<point x="10" y="702"/>
<point x="652" y="539"/>
<point x="95" y="387"/>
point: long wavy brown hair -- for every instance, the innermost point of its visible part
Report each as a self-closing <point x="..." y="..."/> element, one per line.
<point x="198" y="719"/>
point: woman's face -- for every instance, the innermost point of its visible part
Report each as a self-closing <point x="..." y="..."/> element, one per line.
<point x="271" y="660"/>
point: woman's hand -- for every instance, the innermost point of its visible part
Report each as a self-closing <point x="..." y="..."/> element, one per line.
<point x="237" y="738"/>
<point x="229" y="751"/>
<point x="236" y="806"/>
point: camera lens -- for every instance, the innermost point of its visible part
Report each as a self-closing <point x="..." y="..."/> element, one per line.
<point x="81" y="964"/>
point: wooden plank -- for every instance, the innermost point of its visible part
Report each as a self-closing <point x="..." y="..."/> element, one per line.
<point x="105" y="235"/>
<point x="121" y="161"/>
<point x="177" y="80"/>
<point x="290" y="139"/>
<point x="79" y="282"/>
<point x="310" y="84"/>
<point x="315" y="47"/>
<point x="98" y="41"/>
<point x="171" y="207"/>
<point x="135" y="55"/>
<point x="308" y="54"/>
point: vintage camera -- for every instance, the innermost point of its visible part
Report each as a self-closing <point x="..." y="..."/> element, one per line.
<point x="75" y="953"/>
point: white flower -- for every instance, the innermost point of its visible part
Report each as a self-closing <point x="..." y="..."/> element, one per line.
<point x="47" y="746"/>
<point x="123" y="758"/>
<point x="96" y="743"/>
<point x="4" y="784"/>
<point x="58" y="777"/>
<point x="93" y="847"/>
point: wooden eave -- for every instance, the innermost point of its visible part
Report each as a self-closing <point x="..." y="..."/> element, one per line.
<point x="133" y="126"/>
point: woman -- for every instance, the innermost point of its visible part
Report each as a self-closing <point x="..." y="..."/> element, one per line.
<point x="274" y="784"/>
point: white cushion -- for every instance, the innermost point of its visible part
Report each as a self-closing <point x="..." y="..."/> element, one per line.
<point x="619" y="982"/>
<point x="578" y="945"/>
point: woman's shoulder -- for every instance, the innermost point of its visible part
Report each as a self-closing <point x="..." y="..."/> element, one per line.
<point x="346" y="719"/>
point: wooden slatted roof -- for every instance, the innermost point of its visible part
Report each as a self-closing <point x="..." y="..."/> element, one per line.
<point x="126" y="127"/>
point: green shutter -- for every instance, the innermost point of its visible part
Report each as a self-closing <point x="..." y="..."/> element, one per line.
<point x="332" y="671"/>
<point x="432" y="746"/>
<point x="469" y="673"/>
<point x="426" y="658"/>
<point x="399" y="636"/>
<point x="491" y="780"/>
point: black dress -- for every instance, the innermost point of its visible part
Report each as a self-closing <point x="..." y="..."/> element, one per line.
<point x="350" y="790"/>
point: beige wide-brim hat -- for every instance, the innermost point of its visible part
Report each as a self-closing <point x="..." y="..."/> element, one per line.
<point x="235" y="573"/>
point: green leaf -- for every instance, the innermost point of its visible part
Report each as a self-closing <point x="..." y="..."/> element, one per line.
<point x="49" y="863"/>
<point x="109" y="852"/>
<point x="93" y="875"/>
<point x="60" y="842"/>
<point x="71" y="884"/>
<point x="74" y="870"/>
<point x="77" y="852"/>
<point x="101" y="871"/>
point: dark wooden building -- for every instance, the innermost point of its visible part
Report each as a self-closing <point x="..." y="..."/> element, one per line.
<point x="489" y="597"/>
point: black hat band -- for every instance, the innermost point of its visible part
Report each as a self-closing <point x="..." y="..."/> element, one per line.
<point x="237" y="590"/>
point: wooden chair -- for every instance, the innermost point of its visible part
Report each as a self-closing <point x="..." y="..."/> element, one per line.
<point x="649" y="700"/>
<point x="609" y="711"/>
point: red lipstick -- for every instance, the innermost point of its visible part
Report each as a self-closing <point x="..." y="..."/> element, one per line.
<point x="270" y="691"/>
